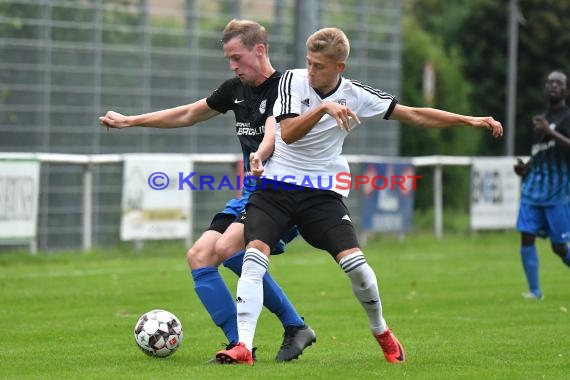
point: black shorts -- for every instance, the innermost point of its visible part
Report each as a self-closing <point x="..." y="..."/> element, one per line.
<point x="320" y="215"/>
<point x="222" y="221"/>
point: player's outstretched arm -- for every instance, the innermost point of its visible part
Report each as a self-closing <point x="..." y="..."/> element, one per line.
<point x="182" y="116"/>
<point x="435" y="118"/>
<point x="265" y="148"/>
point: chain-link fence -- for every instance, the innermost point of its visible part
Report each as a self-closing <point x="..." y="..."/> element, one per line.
<point x="64" y="63"/>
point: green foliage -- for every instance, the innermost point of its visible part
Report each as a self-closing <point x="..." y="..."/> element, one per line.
<point x="473" y="34"/>
<point x="441" y="18"/>
<point x="482" y="40"/>
<point x="452" y="94"/>
<point x="478" y="30"/>
<point x="16" y="14"/>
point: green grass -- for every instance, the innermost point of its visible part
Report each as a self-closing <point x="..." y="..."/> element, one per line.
<point x="455" y="305"/>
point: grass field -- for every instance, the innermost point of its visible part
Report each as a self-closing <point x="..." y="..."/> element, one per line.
<point x="455" y="305"/>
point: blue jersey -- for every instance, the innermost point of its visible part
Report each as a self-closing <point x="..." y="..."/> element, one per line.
<point x="548" y="180"/>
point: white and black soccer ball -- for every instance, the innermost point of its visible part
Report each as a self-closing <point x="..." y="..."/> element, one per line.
<point x="158" y="333"/>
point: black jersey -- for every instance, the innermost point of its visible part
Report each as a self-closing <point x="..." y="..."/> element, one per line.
<point x="548" y="180"/>
<point x="251" y="105"/>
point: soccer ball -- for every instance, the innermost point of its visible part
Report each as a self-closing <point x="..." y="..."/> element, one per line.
<point x="158" y="333"/>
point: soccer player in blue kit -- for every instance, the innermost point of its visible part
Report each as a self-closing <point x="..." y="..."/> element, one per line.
<point x="251" y="96"/>
<point x="545" y="191"/>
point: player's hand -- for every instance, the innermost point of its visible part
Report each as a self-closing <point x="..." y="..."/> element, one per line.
<point x="255" y="165"/>
<point x="342" y="115"/>
<point x="541" y="124"/>
<point x="114" y="119"/>
<point x="521" y="168"/>
<point x="491" y="124"/>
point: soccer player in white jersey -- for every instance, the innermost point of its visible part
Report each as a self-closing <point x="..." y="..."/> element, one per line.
<point x="316" y="108"/>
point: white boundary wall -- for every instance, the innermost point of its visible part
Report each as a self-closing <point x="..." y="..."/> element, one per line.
<point x="19" y="199"/>
<point x="495" y="193"/>
<point x="88" y="161"/>
<point x="149" y="214"/>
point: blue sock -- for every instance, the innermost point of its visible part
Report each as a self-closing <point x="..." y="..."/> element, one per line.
<point x="217" y="299"/>
<point x="274" y="297"/>
<point x="529" y="258"/>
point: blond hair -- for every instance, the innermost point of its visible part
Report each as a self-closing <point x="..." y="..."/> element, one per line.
<point x="250" y="32"/>
<point x="332" y="42"/>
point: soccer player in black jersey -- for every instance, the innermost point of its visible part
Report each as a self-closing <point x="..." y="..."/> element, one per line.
<point x="250" y="95"/>
<point x="545" y="191"/>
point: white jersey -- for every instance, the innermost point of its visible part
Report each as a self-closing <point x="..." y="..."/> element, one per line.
<point x="315" y="160"/>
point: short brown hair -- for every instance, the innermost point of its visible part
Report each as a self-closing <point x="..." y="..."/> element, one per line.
<point x="250" y="32"/>
<point x="332" y="42"/>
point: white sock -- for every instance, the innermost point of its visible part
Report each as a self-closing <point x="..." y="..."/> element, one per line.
<point x="365" y="288"/>
<point x="249" y="300"/>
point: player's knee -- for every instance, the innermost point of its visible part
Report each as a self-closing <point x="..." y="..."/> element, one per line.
<point x="260" y="246"/>
<point x="527" y="239"/>
<point x="224" y="249"/>
<point x="191" y="257"/>
<point x="198" y="258"/>
<point x="341" y="255"/>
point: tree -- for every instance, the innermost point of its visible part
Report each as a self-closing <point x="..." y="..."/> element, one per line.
<point x="441" y="18"/>
<point x="544" y="43"/>
<point x="452" y="93"/>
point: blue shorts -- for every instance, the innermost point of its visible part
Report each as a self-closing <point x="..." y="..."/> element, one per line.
<point x="551" y="221"/>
